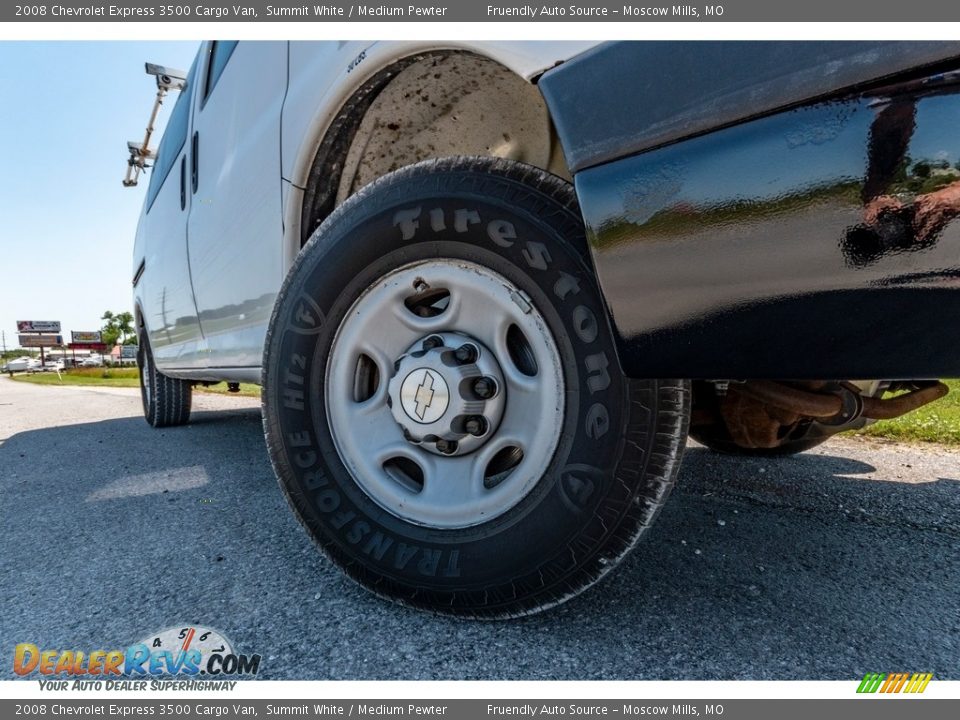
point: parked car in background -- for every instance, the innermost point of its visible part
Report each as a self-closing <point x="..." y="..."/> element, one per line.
<point x="91" y="361"/>
<point x="490" y="288"/>
<point x="23" y="364"/>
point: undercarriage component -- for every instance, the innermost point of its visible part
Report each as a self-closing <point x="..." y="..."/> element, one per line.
<point x="832" y="405"/>
<point x="886" y="409"/>
<point x="764" y="414"/>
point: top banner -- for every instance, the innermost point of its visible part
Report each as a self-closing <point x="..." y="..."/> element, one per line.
<point x="479" y="11"/>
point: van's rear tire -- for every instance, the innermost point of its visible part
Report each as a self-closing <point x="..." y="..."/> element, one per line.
<point x="166" y="400"/>
<point x="411" y="291"/>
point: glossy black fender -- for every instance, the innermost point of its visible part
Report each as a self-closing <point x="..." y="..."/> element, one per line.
<point x="813" y="242"/>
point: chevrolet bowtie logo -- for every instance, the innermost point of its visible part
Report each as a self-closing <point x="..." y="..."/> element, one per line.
<point x="424" y="395"/>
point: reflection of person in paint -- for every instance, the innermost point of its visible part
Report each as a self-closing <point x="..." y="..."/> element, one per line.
<point x="890" y="137"/>
<point x="932" y="211"/>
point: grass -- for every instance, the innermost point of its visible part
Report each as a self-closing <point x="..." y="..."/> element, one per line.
<point x="117" y="377"/>
<point x="938" y="422"/>
<point x="103" y="377"/>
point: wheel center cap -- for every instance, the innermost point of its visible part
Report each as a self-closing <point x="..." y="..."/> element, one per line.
<point x="447" y="394"/>
<point x="424" y="396"/>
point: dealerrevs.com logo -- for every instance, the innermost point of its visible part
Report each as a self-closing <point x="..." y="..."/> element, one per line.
<point x="188" y="650"/>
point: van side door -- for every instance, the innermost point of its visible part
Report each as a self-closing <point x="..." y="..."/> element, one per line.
<point x="235" y="227"/>
<point x="170" y="313"/>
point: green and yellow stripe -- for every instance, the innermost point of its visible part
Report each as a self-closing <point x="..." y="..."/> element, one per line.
<point x="894" y="682"/>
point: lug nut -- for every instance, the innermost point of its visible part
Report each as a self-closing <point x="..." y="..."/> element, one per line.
<point x="484" y="388"/>
<point x="447" y="447"/>
<point x="432" y="342"/>
<point x="465" y="354"/>
<point x="476" y="425"/>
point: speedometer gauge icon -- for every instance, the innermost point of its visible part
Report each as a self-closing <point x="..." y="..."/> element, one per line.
<point x="184" y="638"/>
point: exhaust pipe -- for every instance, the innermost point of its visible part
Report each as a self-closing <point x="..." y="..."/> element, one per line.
<point x="840" y="407"/>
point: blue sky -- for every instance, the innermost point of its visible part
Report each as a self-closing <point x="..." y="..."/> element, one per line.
<point x="67" y="110"/>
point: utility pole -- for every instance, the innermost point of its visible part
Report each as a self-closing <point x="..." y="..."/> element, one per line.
<point x="3" y="334"/>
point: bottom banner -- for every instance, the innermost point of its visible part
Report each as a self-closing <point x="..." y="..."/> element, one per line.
<point x="729" y="709"/>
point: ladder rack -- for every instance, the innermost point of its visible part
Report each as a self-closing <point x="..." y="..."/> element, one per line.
<point x="140" y="153"/>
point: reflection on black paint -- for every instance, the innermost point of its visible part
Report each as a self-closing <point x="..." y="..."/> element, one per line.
<point x="907" y="203"/>
<point x="790" y="246"/>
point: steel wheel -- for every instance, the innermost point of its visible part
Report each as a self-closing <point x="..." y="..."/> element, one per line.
<point x="446" y="393"/>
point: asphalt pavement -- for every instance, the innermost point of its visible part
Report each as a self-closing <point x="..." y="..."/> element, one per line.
<point x="823" y="566"/>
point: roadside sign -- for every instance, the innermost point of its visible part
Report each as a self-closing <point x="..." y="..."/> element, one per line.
<point x="98" y="347"/>
<point x="41" y="341"/>
<point x="128" y="352"/>
<point x="85" y="336"/>
<point x="38" y="326"/>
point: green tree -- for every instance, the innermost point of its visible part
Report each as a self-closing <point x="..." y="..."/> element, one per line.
<point x="124" y="322"/>
<point x="18" y="352"/>
<point x="110" y="331"/>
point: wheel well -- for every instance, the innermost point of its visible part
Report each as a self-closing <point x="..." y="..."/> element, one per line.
<point x="434" y="105"/>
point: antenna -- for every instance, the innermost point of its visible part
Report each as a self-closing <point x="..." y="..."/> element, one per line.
<point x="167" y="80"/>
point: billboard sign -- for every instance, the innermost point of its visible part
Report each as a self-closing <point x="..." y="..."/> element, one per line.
<point x="38" y="326"/>
<point x="85" y="336"/>
<point x="41" y="340"/>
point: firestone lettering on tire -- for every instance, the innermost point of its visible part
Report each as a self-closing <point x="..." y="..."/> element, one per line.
<point x="503" y="233"/>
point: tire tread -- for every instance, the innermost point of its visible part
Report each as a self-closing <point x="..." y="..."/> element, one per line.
<point x="170" y="398"/>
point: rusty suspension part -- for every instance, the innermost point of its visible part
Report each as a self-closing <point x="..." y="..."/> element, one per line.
<point x="880" y="409"/>
<point x="827" y="406"/>
<point x="801" y="402"/>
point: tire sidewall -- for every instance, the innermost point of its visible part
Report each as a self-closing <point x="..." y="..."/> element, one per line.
<point x="567" y="517"/>
<point x="146" y="372"/>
